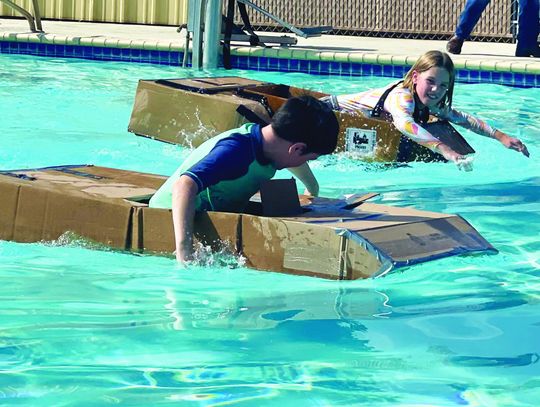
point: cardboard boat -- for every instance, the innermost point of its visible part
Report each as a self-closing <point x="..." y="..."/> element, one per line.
<point x="190" y="111"/>
<point x="328" y="238"/>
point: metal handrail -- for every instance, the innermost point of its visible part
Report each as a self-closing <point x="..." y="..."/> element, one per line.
<point x="33" y="20"/>
<point x="304" y="32"/>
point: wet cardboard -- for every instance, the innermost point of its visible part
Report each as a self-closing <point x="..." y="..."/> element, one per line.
<point x="190" y="111"/>
<point x="367" y="138"/>
<point x="279" y="197"/>
<point x="362" y="137"/>
<point x="329" y="238"/>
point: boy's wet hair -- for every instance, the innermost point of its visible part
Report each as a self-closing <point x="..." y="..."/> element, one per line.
<point x="305" y="119"/>
<point x="433" y="59"/>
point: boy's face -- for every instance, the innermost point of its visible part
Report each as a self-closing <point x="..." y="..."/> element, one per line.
<point x="294" y="157"/>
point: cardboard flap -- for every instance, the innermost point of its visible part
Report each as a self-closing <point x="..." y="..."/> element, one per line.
<point x="357" y="200"/>
<point x="331" y="212"/>
<point x="186" y="116"/>
<point x="281" y="91"/>
<point x="275" y="95"/>
<point x="446" y="133"/>
<point x="279" y="197"/>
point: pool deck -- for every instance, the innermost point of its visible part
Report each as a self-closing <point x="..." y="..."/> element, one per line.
<point x="476" y="55"/>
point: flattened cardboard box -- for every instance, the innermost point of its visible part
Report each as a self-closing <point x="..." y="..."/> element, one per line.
<point x="326" y="240"/>
<point x="189" y="111"/>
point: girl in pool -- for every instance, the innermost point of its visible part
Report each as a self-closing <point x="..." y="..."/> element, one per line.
<point x="427" y="89"/>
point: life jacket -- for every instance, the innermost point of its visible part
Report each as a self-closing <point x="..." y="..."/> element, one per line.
<point x="409" y="148"/>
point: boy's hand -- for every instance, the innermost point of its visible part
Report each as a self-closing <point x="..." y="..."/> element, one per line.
<point x="514" y="144"/>
<point x="184" y="254"/>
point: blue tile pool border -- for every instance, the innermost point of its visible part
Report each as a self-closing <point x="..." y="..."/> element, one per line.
<point x="244" y="59"/>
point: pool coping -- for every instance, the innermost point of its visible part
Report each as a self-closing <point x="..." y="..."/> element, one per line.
<point x="509" y="71"/>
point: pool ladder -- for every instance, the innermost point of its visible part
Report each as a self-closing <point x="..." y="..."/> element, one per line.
<point x="33" y="20"/>
<point x="205" y="20"/>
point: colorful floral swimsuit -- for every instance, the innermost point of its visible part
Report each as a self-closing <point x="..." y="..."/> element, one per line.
<point x="400" y="104"/>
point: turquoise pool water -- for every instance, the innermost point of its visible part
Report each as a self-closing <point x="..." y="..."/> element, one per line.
<point x="82" y="326"/>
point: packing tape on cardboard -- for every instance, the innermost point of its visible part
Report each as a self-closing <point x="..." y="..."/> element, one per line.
<point x="387" y="264"/>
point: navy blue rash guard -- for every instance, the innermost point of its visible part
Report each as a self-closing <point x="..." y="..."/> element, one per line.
<point x="228" y="169"/>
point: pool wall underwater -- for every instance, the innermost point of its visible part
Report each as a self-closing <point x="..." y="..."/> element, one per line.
<point x="511" y="73"/>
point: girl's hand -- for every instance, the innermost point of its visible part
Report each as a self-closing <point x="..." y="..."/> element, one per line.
<point x="514" y="144"/>
<point x="464" y="163"/>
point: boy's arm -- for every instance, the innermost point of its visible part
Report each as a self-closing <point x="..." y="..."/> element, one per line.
<point x="306" y="177"/>
<point x="184" y="194"/>
<point x="229" y="159"/>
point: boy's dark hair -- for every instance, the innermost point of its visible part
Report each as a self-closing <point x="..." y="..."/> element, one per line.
<point x="305" y="119"/>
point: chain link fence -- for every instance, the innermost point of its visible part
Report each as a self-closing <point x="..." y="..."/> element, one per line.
<point x="418" y="19"/>
<point x="422" y="19"/>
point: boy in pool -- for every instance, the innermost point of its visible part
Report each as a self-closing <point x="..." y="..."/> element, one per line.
<point x="427" y="89"/>
<point x="224" y="172"/>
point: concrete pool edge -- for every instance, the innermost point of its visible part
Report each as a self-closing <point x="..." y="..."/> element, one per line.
<point x="524" y="72"/>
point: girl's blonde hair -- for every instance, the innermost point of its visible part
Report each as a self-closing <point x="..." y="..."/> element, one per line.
<point x="433" y="59"/>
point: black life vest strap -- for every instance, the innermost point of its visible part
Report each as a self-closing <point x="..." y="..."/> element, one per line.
<point x="257" y="98"/>
<point x="378" y="110"/>
<point x="251" y="116"/>
<point x="419" y="115"/>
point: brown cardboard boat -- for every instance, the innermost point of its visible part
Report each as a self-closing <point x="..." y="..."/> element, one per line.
<point x="328" y="238"/>
<point x="190" y="111"/>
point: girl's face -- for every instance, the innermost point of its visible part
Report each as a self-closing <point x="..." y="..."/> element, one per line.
<point x="431" y="85"/>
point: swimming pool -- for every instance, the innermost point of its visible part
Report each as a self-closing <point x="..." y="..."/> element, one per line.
<point x="94" y="327"/>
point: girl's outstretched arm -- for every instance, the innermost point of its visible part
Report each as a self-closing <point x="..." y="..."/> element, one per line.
<point x="401" y="106"/>
<point x="480" y="127"/>
<point x="511" y="142"/>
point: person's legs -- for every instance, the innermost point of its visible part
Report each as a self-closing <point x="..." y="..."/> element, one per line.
<point x="467" y="21"/>
<point x="469" y="17"/>
<point x="528" y="27"/>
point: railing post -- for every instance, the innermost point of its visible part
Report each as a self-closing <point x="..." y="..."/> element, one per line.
<point x="212" y="34"/>
<point x="37" y="15"/>
<point x="195" y="22"/>
<point x="25" y="13"/>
